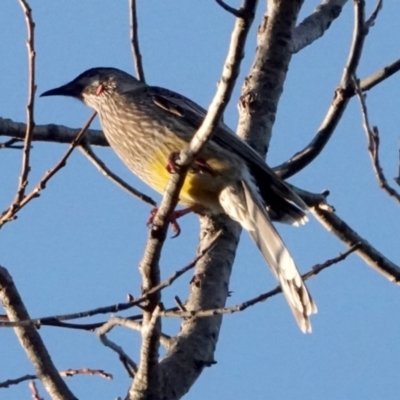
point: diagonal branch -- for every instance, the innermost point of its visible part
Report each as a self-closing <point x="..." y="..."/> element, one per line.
<point x="31" y="341"/>
<point x="365" y="250"/>
<point x="66" y="373"/>
<point x="340" y="101"/>
<point x="316" y="24"/>
<point x="25" y="169"/>
<point x="379" y="76"/>
<point x="86" y="149"/>
<point x="107" y="327"/>
<point x="232" y="10"/>
<point x="137" y="56"/>
<point x="56" y="320"/>
<point x="147" y="378"/>
<point x="315" y="270"/>
<point x="9" y="214"/>
<point x="11" y="144"/>
<point x="373" y="147"/>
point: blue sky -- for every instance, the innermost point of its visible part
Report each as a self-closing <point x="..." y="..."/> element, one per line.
<point x="78" y="245"/>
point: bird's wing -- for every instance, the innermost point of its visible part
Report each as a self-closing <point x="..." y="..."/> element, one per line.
<point x="183" y="107"/>
<point x="243" y="204"/>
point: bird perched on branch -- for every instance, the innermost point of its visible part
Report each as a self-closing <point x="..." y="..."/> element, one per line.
<point x="145" y="125"/>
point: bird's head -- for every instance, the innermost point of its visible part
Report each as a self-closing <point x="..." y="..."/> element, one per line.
<point x="95" y="85"/>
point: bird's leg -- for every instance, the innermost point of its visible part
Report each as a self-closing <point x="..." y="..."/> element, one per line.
<point x="173" y="221"/>
<point x="171" y="162"/>
<point x="203" y="166"/>
<point x="201" y="163"/>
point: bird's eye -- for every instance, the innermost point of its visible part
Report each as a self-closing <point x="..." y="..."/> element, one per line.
<point x="99" y="89"/>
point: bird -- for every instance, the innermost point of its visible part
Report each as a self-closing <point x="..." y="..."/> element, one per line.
<point x="146" y="124"/>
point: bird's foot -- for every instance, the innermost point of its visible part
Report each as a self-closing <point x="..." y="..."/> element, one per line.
<point x="171" y="166"/>
<point x="173" y="220"/>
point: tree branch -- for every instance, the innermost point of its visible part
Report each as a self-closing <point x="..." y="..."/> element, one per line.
<point x="66" y="373"/>
<point x="25" y="169"/>
<point x="9" y="214"/>
<point x="107" y="327"/>
<point x="232" y="10"/>
<point x="31" y="341"/>
<point x="341" y="98"/>
<point x="86" y="149"/>
<point x="149" y="263"/>
<point x="55" y="320"/>
<point x="315" y="270"/>
<point x="373" y="147"/>
<point x="264" y="84"/>
<point x="137" y="56"/>
<point x="348" y="236"/>
<point x="379" y="76"/>
<point x="316" y="24"/>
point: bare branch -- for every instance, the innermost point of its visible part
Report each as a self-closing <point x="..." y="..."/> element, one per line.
<point x="86" y="149"/>
<point x="56" y="320"/>
<point x="315" y="270"/>
<point x="9" y="214"/>
<point x="10" y="144"/>
<point x="341" y="98"/>
<point x="23" y="179"/>
<point x="365" y="250"/>
<point x="373" y="147"/>
<point x="70" y="372"/>
<point x="67" y="373"/>
<point x="316" y="24"/>
<point x="232" y="10"/>
<point x="31" y="341"/>
<point x="379" y="76"/>
<point x="107" y="327"/>
<point x="147" y="374"/>
<point x="371" y="20"/>
<point x="35" y="392"/>
<point x="179" y="303"/>
<point x="10" y="382"/>
<point x="50" y="133"/>
<point x="257" y="106"/>
<point x="397" y="178"/>
<point x="148" y="380"/>
<point x="137" y="56"/>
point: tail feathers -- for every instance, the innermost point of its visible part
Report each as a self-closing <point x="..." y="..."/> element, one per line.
<point x="287" y="213"/>
<point x="243" y="204"/>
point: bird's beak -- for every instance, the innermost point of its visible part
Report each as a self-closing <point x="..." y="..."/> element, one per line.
<point x="65" y="90"/>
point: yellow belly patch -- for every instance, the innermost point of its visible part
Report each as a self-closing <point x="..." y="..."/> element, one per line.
<point x="200" y="188"/>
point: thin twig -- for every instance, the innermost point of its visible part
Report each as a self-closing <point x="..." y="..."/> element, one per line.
<point x="107" y="327"/>
<point x="374" y="15"/>
<point x="56" y="320"/>
<point x="373" y="147"/>
<point x="316" y="269"/>
<point x="365" y="250"/>
<point x="137" y="56"/>
<point x="397" y="178"/>
<point x="66" y="373"/>
<point x="10" y="144"/>
<point x="379" y="76"/>
<point x="232" y="10"/>
<point x="146" y="381"/>
<point x="9" y="214"/>
<point x="86" y="149"/>
<point x="31" y="341"/>
<point x="179" y="303"/>
<point x="34" y="390"/>
<point x="16" y="381"/>
<point x="340" y="101"/>
<point x="25" y="169"/>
